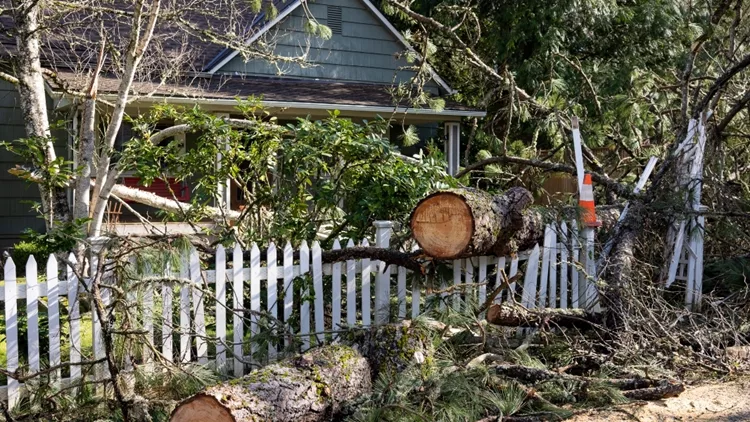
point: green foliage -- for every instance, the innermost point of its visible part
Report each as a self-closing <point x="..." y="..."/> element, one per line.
<point x="176" y="384"/>
<point x="297" y="180"/>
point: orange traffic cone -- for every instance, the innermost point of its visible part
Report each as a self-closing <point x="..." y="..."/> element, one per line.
<point x="586" y="202"/>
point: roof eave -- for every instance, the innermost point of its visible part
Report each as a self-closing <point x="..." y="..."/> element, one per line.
<point x="309" y="106"/>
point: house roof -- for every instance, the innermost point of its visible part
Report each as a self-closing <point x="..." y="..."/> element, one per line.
<point x="76" y="50"/>
<point x="263" y="26"/>
<point x="274" y="92"/>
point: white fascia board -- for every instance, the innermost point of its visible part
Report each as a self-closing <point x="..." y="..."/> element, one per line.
<point x="406" y="44"/>
<point x="289" y="9"/>
<point x="230" y="102"/>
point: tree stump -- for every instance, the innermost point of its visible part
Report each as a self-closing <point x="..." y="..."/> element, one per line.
<point x="468" y="222"/>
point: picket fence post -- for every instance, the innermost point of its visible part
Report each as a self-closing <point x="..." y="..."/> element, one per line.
<point x="336" y="292"/>
<point x="383" y="230"/>
<point x="351" y="289"/>
<point x="221" y="311"/>
<point x="53" y="316"/>
<point x="185" y="352"/>
<point x="272" y="294"/>
<point x="237" y="295"/>
<point x="74" y="316"/>
<point x="317" y="265"/>
<point x="32" y="314"/>
<point x="11" y="331"/>
<point x="366" y="295"/>
<point x="254" y="296"/>
<point x="563" y="246"/>
<point x="304" y="268"/>
<point x="288" y="289"/>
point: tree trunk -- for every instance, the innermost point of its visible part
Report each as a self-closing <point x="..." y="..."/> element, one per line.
<point x="470" y="222"/>
<point x="311" y="387"/>
<point x="33" y="100"/>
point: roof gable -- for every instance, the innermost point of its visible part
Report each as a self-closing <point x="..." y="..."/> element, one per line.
<point x="366" y="47"/>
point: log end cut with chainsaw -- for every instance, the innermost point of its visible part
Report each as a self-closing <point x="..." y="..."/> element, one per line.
<point x="467" y="222"/>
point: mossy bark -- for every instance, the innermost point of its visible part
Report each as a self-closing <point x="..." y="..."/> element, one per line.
<point x="394" y="347"/>
<point x="311" y="387"/>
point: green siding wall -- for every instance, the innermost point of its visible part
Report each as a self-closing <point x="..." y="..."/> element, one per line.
<point x="15" y="194"/>
<point x="365" y="51"/>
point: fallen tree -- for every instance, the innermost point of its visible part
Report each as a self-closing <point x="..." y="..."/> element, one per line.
<point x="469" y="222"/>
<point x="311" y="387"/>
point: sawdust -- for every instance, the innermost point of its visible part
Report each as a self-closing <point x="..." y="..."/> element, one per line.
<point x="716" y="401"/>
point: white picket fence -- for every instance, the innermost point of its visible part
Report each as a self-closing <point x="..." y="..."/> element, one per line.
<point x="554" y="276"/>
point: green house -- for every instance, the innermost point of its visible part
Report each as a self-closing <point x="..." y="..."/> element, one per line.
<point x="353" y="72"/>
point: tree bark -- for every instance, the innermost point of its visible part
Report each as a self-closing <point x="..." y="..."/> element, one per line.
<point x="470" y="222"/>
<point x="166" y="204"/>
<point x="517" y="316"/>
<point x="33" y="100"/>
<point x="311" y="387"/>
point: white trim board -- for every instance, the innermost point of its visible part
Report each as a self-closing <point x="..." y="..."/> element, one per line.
<point x="231" y="102"/>
<point x="374" y="11"/>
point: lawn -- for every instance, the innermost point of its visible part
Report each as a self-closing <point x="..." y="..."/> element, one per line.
<point x="86" y="337"/>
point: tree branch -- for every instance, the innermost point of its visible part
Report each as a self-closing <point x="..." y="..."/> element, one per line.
<point x="619" y="188"/>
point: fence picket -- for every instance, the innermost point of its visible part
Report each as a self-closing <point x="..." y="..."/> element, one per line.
<point x="351" y="289"/>
<point x="237" y="290"/>
<point x="499" y="280"/>
<point x="148" y="312"/>
<point x="401" y="292"/>
<point x="221" y="311"/>
<point x="542" y="300"/>
<point x="74" y="317"/>
<point x="199" y="315"/>
<point x="317" y="266"/>
<point x="304" y="268"/>
<point x="457" y="264"/>
<point x="32" y="313"/>
<point x="184" y="308"/>
<point x="288" y="289"/>
<point x="366" y="295"/>
<point x="53" y="316"/>
<point x="254" y="296"/>
<point x="167" y="324"/>
<point x="530" y="279"/>
<point x="482" y="279"/>
<point x="592" y="293"/>
<point x="575" y="294"/>
<point x="272" y="294"/>
<point x="469" y="292"/>
<point x="336" y="292"/>
<point x="11" y="331"/>
<point x="563" y="245"/>
<point x="553" y="270"/>
<point x="415" y="291"/>
<point x="512" y="272"/>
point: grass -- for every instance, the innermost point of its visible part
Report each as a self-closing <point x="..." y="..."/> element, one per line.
<point x="86" y="340"/>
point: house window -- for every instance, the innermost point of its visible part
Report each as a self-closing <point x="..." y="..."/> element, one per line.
<point x="333" y="20"/>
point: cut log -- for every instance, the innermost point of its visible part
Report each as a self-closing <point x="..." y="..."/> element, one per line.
<point x="516" y="316"/>
<point x="311" y="387"/>
<point x="470" y="222"/>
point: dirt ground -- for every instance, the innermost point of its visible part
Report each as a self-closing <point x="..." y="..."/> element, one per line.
<point x="716" y="401"/>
